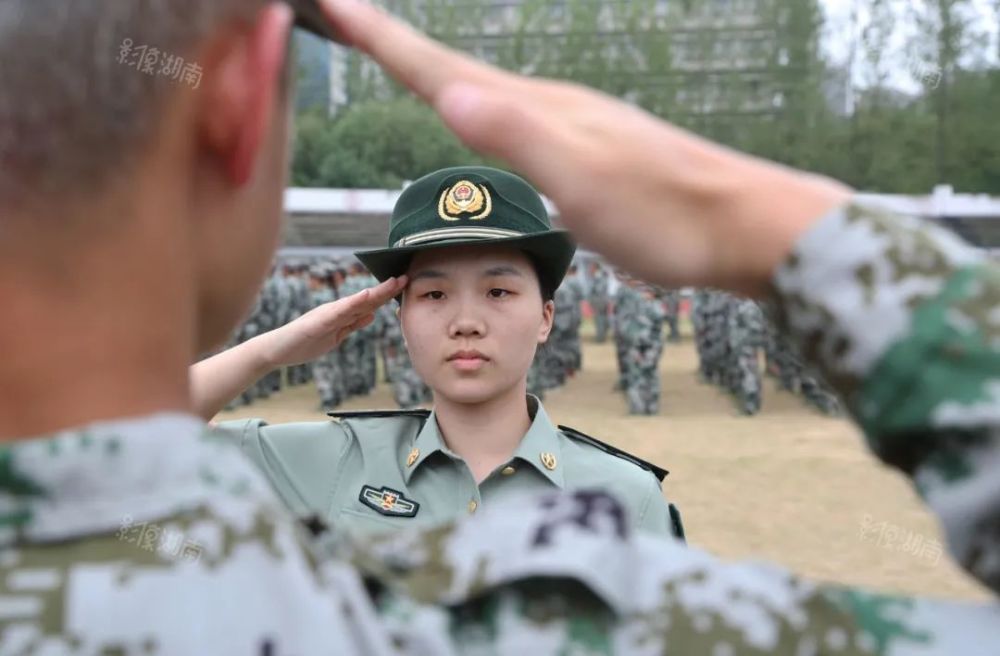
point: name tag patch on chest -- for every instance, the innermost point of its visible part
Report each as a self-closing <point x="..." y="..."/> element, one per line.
<point x="388" y="502"/>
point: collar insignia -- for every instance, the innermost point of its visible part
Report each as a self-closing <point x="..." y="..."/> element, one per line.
<point x="388" y="502"/>
<point x="463" y="199"/>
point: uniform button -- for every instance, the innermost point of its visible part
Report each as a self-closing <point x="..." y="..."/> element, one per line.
<point x="508" y="470"/>
<point x="472" y="506"/>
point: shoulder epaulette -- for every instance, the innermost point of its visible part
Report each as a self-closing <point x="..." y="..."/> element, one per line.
<point x="380" y="414"/>
<point x="572" y="433"/>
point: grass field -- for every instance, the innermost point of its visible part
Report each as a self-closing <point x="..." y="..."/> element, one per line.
<point x="787" y="486"/>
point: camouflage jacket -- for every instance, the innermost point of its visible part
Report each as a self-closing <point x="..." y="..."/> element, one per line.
<point x="625" y="302"/>
<point x="599" y="288"/>
<point x="142" y="537"/>
<point x="642" y="328"/>
<point x="746" y="325"/>
<point x="322" y="296"/>
<point x="564" y="319"/>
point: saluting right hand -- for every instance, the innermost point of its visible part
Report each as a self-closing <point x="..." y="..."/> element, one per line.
<point x="322" y="329"/>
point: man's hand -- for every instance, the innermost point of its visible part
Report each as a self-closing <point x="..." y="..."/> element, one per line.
<point x="667" y="205"/>
<point x="323" y="329"/>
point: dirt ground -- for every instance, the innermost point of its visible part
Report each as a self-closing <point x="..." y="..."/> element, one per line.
<point x="787" y="486"/>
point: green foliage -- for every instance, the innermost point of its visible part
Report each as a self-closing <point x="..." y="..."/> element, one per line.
<point x="975" y="132"/>
<point x="375" y="145"/>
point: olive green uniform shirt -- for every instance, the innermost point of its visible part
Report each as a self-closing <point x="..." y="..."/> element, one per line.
<point x="372" y="472"/>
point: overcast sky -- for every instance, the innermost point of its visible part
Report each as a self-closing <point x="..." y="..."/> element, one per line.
<point x="838" y="35"/>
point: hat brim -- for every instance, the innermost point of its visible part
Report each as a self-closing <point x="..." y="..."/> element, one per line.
<point x="552" y="251"/>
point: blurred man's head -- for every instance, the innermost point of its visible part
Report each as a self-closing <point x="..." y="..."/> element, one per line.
<point x="151" y="129"/>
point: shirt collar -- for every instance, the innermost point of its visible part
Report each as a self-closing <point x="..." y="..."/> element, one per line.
<point x="428" y="442"/>
<point x="540" y="446"/>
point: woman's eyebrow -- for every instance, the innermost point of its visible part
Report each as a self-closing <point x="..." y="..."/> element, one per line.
<point x="427" y="273"/>
<point x="503" y="270"/>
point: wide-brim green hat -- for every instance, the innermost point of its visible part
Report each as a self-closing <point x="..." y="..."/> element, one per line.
<point x="472" y="205"/>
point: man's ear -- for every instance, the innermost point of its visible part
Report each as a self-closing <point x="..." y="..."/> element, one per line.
<point x="241" y="87"/>
<point x="548" y="313"/>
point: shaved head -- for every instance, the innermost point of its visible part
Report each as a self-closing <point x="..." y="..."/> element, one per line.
<point x="83" y="82"/>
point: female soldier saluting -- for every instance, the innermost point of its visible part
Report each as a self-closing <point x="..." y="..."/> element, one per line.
<point x="483" y="263"/>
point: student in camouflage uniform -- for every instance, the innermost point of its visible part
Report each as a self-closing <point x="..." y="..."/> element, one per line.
<point x="565" y="332"/>
<point x="599" y="300"/>
<point x="712" y="313"/>
<point x="699" y="325"/>
<point x="383" y="321"/>
<point x="371" y="344"/>
<point x="94" y="505"/>
<point x="300" y="374"/>
<point x="746" y="337"/>
<point x="358" y="352"/>
<point x="578" y="295"/>
<point x="551" y="365"/>
<point x="275" y="297"/>
<point x="536" y="377"/>
<point x="642" y="335"/>
<point x="672" y="307"/>
<point x="253" y="326"/>
<point x="351" y="348"/>
<point x="325" y="368"/>
<point x="625" y="304"/>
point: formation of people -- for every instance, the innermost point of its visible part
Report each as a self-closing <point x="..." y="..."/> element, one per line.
<point x="732" y="336"/>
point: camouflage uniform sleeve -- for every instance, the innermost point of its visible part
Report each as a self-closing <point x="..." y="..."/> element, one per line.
<point x="902" y="318"/>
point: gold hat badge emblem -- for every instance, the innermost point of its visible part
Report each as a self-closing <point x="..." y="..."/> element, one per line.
<point x="464" y="198"/>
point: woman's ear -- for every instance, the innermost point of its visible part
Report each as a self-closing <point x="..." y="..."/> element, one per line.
<point x="548" y="312"/>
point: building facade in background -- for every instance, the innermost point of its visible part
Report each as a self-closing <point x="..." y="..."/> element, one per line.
<point x="698" y="61"/>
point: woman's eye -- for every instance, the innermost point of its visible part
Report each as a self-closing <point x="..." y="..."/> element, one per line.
<point x="498" y="293"/>
<point x="434" y="296"/>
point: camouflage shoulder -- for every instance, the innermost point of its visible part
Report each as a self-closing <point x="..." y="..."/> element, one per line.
<point x="579" y="436"/>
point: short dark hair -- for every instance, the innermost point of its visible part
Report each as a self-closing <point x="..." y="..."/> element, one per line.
<point x="71" y="60"/>
<point x="547" y="288"/>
